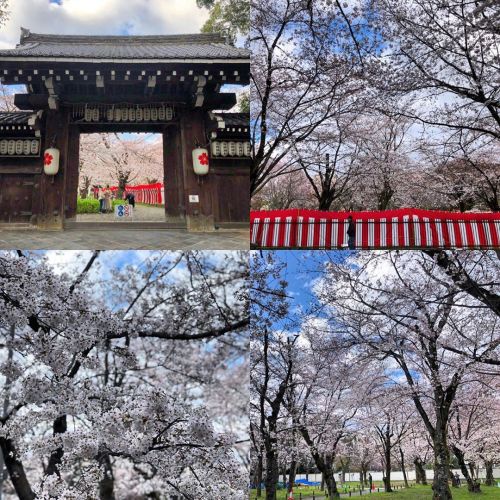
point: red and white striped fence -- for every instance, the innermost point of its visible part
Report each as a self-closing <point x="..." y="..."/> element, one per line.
<point x="403" y="228"/>
<point x="150" y="194"/>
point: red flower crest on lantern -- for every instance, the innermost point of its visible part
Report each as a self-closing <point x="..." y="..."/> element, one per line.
<point x="203" y="159"/>
<point x="47" y="159"/>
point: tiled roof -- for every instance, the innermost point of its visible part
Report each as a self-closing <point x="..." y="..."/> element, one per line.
<point x="198" y="46"/>
<point x="14" y="118"/>
<point x="235" y="119"/>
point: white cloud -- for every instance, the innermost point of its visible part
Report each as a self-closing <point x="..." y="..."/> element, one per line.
<point x="102" y="17"/>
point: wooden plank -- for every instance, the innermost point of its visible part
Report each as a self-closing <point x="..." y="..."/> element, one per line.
<point x="21" y="169"/>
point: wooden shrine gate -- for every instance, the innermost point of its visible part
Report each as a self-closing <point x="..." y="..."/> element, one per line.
<point x="156" y="84"/>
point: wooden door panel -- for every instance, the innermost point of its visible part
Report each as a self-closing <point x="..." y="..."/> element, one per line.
<point x="16" y="198"/>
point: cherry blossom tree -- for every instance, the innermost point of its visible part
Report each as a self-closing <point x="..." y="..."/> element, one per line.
<point x="272" y="364"/>
<point x="4" y="5"/>
<point x="301" y="70"/>
<point x="118" y="160"/>
<point x="115" y="391"/>
<point x="448" y="52"/>
<point x="284" y="192"/>
<point x="403" y="307"/>
<point x="6" y="99"/>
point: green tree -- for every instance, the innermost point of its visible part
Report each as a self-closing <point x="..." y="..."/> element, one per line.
<point x="227" y="15"/>
<point x="244" y="104"/>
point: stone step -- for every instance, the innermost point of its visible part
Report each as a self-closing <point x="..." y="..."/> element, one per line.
<point x="16" y="226"/>
<point x="120" y="226"/>
<point x="231" y="226"/>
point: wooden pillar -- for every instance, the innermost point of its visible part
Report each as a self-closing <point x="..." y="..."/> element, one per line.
<point x="175" y="207"/>
<point x="199" y="213"/>
<point x="52" y="188"/>
<point x="72" y="172"/>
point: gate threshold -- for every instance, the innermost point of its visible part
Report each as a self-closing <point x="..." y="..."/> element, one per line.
<point x="120" y="226"/>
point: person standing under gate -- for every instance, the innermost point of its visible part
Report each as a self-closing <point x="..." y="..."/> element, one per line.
<point x="108" y="207"/>
<point x="351" y="233"/>
<point x="100" y="195"/>
<point x="131" y="199"/>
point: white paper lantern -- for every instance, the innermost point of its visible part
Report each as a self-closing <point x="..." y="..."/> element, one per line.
<point x="3" y="147"/>
<point x="19" y="147"/>
<point x="110" y="114"/>
<point x="147" y="115"/>
<point x="51" y="161"/>
<point x="88" y="115"/>
<point x="232" y="148"/>
<point x="161" y="113"/>
<point x="215" y="148"/>
<point x="34" y="147"/>
<point x="131" y="114"/>
<point x="200" y="161"/>
<point x="169" y="113"/>
<point x="26" y="147"/>
<point x="125" y="116"/>
<point x="95" y="114"/>
<point x="11" y="148"/>
<point x="240" y="149"/>
<point x="224" y="149"/>
<point x="154" y="114"/>
<point x="139" y="115"/>
<point x="247" y="149"/>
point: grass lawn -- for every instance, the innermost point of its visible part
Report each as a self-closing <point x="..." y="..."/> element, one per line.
<point x="425" y="493"/>
<point x="414" y="493"/>
<point x="308" y="490"/>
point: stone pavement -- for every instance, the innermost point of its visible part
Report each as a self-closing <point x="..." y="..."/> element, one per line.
<point x="123" y="239"/>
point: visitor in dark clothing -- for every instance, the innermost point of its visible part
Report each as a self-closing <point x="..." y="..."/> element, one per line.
<point x="131" y="199"/>
<point x="351" y="233"/>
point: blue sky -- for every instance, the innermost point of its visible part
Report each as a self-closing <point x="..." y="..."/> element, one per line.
<point x="303" y="268"/>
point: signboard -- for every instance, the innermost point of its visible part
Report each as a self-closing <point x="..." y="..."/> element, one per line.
<point x="124" y="211"/>
<point x="194" y="198"/>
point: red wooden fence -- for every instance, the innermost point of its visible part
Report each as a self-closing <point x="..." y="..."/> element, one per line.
<point x="403" y="228"/>
<point x="150" y="194"/>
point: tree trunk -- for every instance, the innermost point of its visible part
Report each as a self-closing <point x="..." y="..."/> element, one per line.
<point x="362" y="477"/>
<point x="440" y="486"/>
<point x="16" y="470"/>
<point x="403" y="468"/>
<point x="324" y="464"/>
<point x="258" y="474"/>
<point x="324" y="203"/>
<point x="291" y="476"/>
<point x="59" y="427"/>
<point x="489" y="473"/>
<point x="420" y="475"/>
<point x="387" y="459"/>
<point x="271" y="473"/>
<point x="472" y="486"/>
<point x="107" y="483"/>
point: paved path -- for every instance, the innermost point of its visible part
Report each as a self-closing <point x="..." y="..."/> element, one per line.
<point x="73" y="239"/>
<point x="142" y="213"/>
